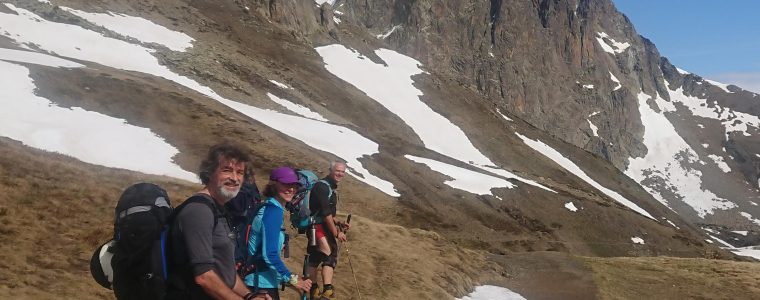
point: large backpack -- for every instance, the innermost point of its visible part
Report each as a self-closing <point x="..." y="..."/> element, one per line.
<point x="241" y="211"/>
<point x="300" y="213"/>
<point x="138" y="254"/>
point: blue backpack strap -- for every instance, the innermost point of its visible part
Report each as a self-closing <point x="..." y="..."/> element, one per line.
<point x="249" y="261"/>
<point x="329" y="188"/>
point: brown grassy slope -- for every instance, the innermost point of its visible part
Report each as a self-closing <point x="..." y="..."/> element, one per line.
<point x="675" y="278"/>
<point x="54" y="210"/>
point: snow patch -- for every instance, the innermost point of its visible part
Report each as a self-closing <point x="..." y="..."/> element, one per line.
<point x="320" y="2"/>
<point x="588" y="86"/>
<point x="464" y="179"/>
<point x="503" y="116"/>
<point x="724" y="243"/>
<point x="720" y="162"/>
<point x="573" y="168"/>
<point x="733" y="121"/>
<point x="39" y="123"/>
<point x="571" y="207"/>
<point x="637" y="240"/>
<point x="723" y="86"/>
<point x="297" y="108"/>
<point x="76" y="42"/>
<point x="750" y="217"/>
<point x="388" y="33"/>
<point x="705" y="146"/>
<point x="673" y="224"/>
<point x="400" y="96"/>
<point x="594" y="129"/>
<point x="682" y="71"/>
<point x="742" y="232"/>
<point x="751" y="251"/>
<point x="710" y="230"/>
<point x="280" y="85"/>
<point x="138" y="28"/>
<point x="617" y="82"/>
<point x="613" y="48"/>
<point x="490" y="292"/>
<point x="665" y="164"/>
<point x="36" y="58"/>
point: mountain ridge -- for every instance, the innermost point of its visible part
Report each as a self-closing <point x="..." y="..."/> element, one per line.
<point x="223" y="85"/>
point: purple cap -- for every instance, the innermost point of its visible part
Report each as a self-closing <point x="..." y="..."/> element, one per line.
<point x="284" y="175"/>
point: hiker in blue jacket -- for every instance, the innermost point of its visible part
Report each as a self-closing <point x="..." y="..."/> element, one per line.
<point x="267" y="237"/>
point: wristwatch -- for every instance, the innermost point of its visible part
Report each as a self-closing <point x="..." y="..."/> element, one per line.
<point x="293" y="280"/>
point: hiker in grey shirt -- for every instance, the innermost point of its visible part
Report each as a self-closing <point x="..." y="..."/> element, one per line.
<point x="203" y="262"/>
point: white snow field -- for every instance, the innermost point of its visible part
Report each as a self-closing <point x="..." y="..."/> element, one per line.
<point x="138" y="28"/>
<point x="665" y="152"/>
<point x="490" y="292"/>
<point x="88" y="136"/>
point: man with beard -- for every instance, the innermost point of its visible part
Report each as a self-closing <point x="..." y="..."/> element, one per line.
<point x="202" y="248"/>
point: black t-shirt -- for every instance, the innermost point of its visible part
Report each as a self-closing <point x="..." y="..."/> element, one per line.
<point x="319" y="203"/>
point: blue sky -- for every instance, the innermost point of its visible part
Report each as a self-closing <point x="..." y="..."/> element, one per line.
<point x="718" y="40"/>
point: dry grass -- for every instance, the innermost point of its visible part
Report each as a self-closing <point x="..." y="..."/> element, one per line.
<point x="54" y="211"/>
<point x="675" y="278"/>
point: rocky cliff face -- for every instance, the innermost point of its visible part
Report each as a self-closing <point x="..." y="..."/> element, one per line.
<point x="575" y="69"/>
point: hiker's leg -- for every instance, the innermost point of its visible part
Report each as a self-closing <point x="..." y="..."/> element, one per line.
<point x="323" y="246"/>
<point x="328" y="267"/>
<point x="327" y="274"/>
<point x="316" y="258"/>
<point x="320" y="252"/>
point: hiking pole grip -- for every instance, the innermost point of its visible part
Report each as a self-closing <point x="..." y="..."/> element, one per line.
<point x="344" y="227"/>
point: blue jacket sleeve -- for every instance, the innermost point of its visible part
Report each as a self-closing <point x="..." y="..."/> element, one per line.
<point x="272" y="221"/>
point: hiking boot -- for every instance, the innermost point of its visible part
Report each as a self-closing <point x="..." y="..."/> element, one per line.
<point x="328" y="294"/>
<point x="315" y="294"/>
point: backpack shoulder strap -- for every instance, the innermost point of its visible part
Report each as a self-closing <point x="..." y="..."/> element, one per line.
<point x="329" y="188"/>
<point x="201" y="198"/>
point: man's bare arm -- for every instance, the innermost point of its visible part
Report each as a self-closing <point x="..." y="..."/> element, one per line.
<point x="213" y="285"/>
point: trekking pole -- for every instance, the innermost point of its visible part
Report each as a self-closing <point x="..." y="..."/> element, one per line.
<point x="304" y="295"/>
<point x="348" y="254"/>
